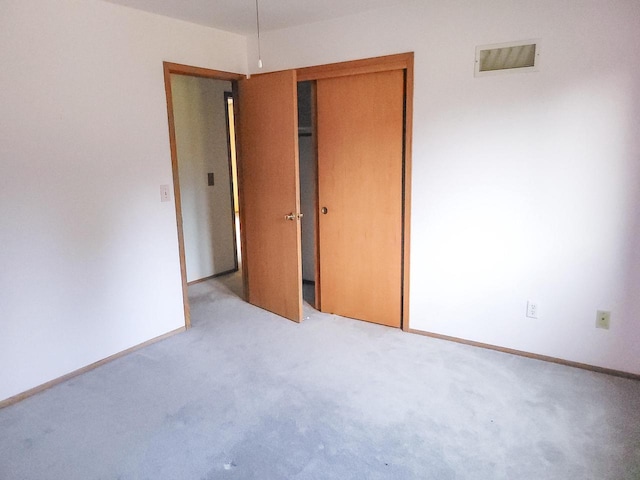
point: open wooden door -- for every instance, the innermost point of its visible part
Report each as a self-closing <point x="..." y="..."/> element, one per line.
<point x="360" y="192"/>
<point x="270" y="192"/>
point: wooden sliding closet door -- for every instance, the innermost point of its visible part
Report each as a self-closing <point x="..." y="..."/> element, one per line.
<point x="360" y="173"/>
<point x="270" y="192"/>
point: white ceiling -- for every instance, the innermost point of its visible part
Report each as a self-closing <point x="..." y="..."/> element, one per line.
<point x="239" y="16"/>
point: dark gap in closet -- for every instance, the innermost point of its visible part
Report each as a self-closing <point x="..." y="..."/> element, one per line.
<point x="308" y="183"/>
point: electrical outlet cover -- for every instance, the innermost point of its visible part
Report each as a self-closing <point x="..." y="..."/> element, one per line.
<point x="603" y="319"/>
<point x="532" y="309"/>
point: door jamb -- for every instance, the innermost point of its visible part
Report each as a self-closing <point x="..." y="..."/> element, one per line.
<point x="179" y="69"/>
<point x="402" y="61"/>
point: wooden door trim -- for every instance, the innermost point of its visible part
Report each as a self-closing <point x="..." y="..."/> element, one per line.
<point x="179" y="69"/>
<point x="401" y="61"/>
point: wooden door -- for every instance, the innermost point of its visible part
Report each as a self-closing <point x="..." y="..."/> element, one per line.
<point x="269" y="191"/>
<point x="360" y="184"/>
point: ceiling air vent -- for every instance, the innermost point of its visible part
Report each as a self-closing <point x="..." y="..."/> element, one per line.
<point x="507" y="57"/>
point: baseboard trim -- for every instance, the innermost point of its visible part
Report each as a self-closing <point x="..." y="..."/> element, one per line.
<point x="520" y="353"/>
<point x="204" y="279"/>
<point x="41" y="388"/>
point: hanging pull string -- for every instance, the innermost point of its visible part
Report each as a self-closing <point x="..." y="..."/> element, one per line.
<point x="258" y="27"/>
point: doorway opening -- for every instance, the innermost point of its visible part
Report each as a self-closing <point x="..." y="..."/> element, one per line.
<point x="308" y="189"/>
<point x="233" y="168"/>
<point x="201" y="161"/>
<point x="205" y="152"/>
<point x="352" y="143"/>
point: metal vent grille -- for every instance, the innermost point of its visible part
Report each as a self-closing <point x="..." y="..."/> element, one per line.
<point x="514" y="56"/>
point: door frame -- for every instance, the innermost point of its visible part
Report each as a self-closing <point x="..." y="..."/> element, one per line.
<point x="179" y="69"/>
<point x="402" y="61"/>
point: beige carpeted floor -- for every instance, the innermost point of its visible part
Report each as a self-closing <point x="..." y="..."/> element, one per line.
<point x="247" y="395"/>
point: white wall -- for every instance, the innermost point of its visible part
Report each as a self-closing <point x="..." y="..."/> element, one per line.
<point x="525" y="186"/>
<point x="202" y="143"/>
<point x="89" y="255"/>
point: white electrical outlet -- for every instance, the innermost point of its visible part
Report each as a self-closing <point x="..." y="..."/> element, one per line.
<point x="532" y="309"/>
<point x="603" y="319"/>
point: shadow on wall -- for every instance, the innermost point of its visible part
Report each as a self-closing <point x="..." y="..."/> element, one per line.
<point x="630" y="316"/>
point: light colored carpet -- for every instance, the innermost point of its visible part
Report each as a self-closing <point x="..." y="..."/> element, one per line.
<point x="247" y="395"/>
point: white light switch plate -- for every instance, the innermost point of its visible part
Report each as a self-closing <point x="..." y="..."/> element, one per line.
<point x="165" y="193"/>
